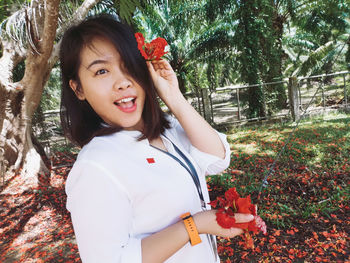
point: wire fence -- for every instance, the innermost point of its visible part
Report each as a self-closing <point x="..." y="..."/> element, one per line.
<point x="228" y="105"/>
<point x="333" y="93"/>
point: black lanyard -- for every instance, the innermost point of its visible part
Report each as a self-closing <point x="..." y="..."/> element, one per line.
<point x="190" y="169"/>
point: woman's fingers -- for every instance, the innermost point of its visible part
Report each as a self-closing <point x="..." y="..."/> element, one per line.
<point x="161" y="64"/>
<point x="235" y="231"/>
<point x="243" y="218"/>
<point x="161" y="68"/>
<point x="156" y="65"/>
<point x="151" y="69"/>
<point x="240" y="218"/>
<point x="165" y="64"/>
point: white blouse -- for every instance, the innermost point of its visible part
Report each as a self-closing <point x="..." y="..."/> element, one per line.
<point x="121" y="190"/>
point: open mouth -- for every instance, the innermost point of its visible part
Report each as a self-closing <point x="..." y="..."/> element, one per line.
<point x="126" y="104"/>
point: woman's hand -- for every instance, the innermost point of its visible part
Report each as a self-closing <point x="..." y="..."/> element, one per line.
<point x="206" y="224"/>
<point x="165" y="80"/>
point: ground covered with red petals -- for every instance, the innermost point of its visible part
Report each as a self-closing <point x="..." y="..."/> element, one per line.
<point x="35" y="225"/>
<point x="306" y="202"/>
<point x="305" y="205"/>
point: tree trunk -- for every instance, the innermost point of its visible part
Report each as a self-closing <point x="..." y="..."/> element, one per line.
<point x="18" y="150"/>
<point x="20" y="100"/>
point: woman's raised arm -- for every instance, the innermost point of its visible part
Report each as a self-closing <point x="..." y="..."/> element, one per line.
<point x="200" y="133"/>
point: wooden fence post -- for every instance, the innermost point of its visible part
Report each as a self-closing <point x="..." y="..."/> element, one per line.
<point x="238" y="104"/>
<point x="264" y="99"/>
<point x="323" y="95"/>
<point x="345" y="95"/>
<point x="293" y="98"/>
<point x="206" y="105"/>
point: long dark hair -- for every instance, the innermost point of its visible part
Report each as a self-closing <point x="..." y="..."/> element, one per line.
<point x="79" y="121"/>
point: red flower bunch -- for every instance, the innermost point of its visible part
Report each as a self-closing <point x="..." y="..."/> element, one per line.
<point x="153" y="50"/>
<point x="232" y="203"/>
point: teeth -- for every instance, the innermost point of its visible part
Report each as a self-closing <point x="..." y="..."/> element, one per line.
<point x="125" y="100"/>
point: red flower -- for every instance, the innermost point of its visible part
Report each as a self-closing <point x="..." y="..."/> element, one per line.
<point x="153" y="50"/>
<point x="232" y="203"/>
<point x="224" y="220"/>
<point x="139" y="38"/>
<point x="231" y="194"/>
<point x="245" y="206"/>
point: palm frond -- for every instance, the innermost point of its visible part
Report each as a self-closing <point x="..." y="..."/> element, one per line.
<point x="22" y="26"/>
<point x="316" y="59"/>
<point x="300" y="41"/>
<point x="105" y="6"/>
<point x="126" y="9"/>
<point x="217" y="38"/>
<point x="152" y="22"/>
<point x="15" y="27"/>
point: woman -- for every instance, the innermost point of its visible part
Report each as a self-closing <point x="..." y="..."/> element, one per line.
<point x="137" y="192"/>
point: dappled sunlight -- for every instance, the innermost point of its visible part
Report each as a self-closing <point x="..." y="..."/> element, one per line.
<point x="251" y="148"/>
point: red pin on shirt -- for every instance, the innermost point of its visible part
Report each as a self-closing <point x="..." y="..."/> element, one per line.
<point x="150" y="160"/>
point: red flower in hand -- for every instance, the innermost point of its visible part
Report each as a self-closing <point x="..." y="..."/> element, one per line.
<point x="153" y="50"/>
<point x="232" y="203"/>
<point x="224" y="220"/>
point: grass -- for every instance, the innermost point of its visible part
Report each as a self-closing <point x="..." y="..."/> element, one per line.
<point x="310" y="185"/>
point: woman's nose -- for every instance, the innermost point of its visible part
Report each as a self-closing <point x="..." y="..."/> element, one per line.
<point x="122" y="83"/>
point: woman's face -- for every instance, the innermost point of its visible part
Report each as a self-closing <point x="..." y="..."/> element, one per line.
<point x="114" y="95"/>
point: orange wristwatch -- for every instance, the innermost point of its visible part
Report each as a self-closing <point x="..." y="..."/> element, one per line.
<point x="191" y="229"/>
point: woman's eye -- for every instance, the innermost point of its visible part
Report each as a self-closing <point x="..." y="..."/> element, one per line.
<point x="101" y="71"/>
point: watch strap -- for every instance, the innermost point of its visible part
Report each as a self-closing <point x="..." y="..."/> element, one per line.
<point x="191" y="229"/>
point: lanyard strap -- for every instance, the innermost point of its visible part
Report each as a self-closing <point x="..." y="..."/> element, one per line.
<point x="189" y="168"/>
<point x="193" y="173"/>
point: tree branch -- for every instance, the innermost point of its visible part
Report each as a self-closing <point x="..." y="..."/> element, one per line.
<point x="50" y="26"/>
<point x="78" y="15"/>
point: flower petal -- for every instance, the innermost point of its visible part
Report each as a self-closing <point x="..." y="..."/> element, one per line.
<point x="244" y="205"/>
<point x="231" y="194"/>
<point x="224" y="220"/>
